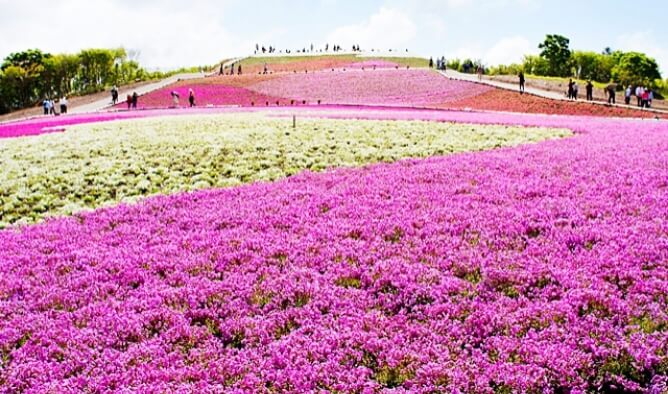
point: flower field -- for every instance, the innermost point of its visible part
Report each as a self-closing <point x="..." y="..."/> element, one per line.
<point x="99" y="164"/>
<point x="410" y="234"/>
<point x="371" y="87"/>
<point x="538" y="268"/>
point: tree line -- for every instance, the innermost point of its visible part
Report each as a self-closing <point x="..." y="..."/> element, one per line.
<point x="28" y="77"/>
<point x="556" y="59"/>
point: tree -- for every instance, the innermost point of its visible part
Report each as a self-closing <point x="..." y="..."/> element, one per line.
<point x="557" y="53"/>
<point x="535" y="65"/>
<point x="634" y="68"/>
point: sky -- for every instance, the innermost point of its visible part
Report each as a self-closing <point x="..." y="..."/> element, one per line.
<point x="167" y="34"/>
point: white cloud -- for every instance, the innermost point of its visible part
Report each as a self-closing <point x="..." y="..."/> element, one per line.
<point x="169" y="33"/>
<point x="388" y="28"/>
<point x="644" y="41"/>
<point x="505" y="51"/>
<point x="508" y="50"/>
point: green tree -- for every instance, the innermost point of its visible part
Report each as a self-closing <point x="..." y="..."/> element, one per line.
<point x="555" y="49"/>
<point x="634" y="68"/>
<point x="535" y="65"/>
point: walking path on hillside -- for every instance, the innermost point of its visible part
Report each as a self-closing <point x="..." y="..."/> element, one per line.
<point x="531" y="90"/>
<point x="106" y="102"/>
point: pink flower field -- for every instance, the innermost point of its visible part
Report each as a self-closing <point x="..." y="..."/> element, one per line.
<point x="370" y="87"/>
<point x="541" y="268"/>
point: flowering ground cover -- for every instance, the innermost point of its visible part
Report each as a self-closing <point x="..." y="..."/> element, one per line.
<point x="101" y="164"/>
<point x="371" y="87"/>
<point x="540" y="268"/>
<point x="505" y="100"/>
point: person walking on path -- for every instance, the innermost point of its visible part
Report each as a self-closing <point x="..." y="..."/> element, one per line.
<point x="128" y="100"/>
<point x="52" y="107"/>
<point x="191" y="98"/>
<point x="63" y="105"/>
<point x="45" y="105"/>
<point x="575" y="90"/>
<point x="135" y="98"/>
<point x="570" y="89"/>
<point x="114" y="95"/>
<point x="590" y="91"/>
<point x="627" y="95"/>
<point x="239" y="69"/>
<point x="431" y="63"/>
<point x="639" y="92"/>
<point x="650" y="96"/>
<point x="645" y="98"/>
<point x="522" y="80"/>
<point x="611" y="93"/>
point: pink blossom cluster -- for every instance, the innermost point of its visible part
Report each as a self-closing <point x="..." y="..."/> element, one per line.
<point x="381" y="87"/>
<point x="205" y="94"/>
<point x="541" y="268"/>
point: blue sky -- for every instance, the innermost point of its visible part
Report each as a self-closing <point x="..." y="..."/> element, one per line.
<point x="171" y="33"/>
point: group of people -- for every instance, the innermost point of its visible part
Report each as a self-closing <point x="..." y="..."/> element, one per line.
<point x="440" y="63"/>
<point x="175" y="98"/>
<point x="49" y="106"/>
<point x="644" y="96"/>
<point x="335" y="48"/>
<point x="232" y="68"/>
<point x="131" y="100"/>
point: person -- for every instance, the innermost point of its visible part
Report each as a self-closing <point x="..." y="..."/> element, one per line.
<point x="570" y="89"/>
<point x="239" y="69"/>
<point x="611" y="93"/>
<point x="128" y="99"/>
<point x="221" y="69"/>
<point x="590" y="91"/>
<point x="522" y="80"/>
<point x="45" y="105"/>
<point x="640" y="92"/>
<point x="479" y="72"/>
<point x="175" y="98"/>
<point x="575" y="90"/>
<point x="114" y="95"/>
<point x="650" y="97"/>
<point x="191" y="97"/>
<point x="627" y="95"/>
<point x="645" y="98"/>
<point x="232" y="69"/>
<point x="52" y="107"/>
<point x="135" y="98"/>
<point x="265" y="69"/>
<point x="431" y="63"/>
<point x="63" y="105"/>
<point x="638" y="95"/>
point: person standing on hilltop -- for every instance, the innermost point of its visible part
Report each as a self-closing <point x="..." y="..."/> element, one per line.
<point x="431" y="63"/>
<point x="522" y="80"/>
<point x="239" y="69"/>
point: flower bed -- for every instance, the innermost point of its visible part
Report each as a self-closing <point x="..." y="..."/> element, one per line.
<point x="96" y="165"/>
<point x="371" y="87"/>
<point x="533" y="269"/>
<point x="505" y="100"/>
